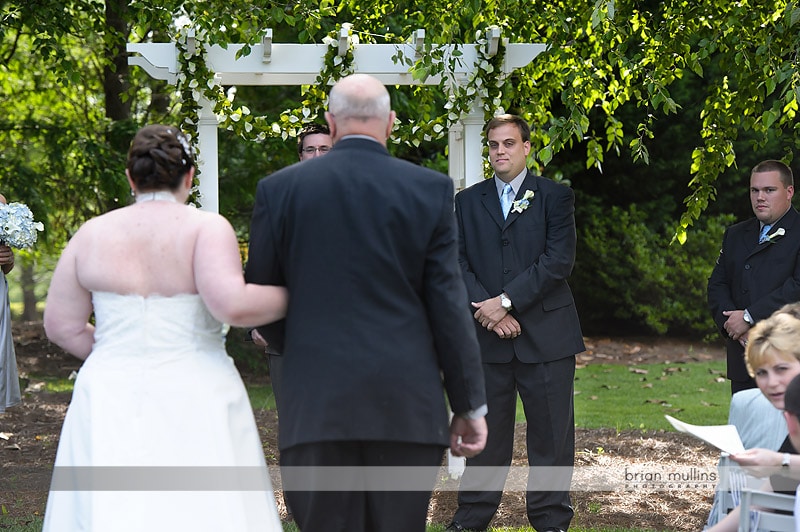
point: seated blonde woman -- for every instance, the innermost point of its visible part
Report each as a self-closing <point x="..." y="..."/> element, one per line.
<point x="773" y="360"/>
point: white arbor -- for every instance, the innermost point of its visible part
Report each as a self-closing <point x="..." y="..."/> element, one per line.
<point x="299" y="64"/>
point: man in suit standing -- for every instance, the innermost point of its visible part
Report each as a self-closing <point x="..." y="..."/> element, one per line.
<point x="758" y="269"/>
<point x="517" y="249"/>
<point x="377" y="319"/>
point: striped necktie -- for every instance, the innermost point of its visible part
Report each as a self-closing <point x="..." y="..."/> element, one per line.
<point x="506" y="199"/>
<point x="763" y="236"/>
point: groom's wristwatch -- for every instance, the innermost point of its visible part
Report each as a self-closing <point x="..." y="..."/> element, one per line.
<point x="505" y="302"/>
<point x="748" y="318"/>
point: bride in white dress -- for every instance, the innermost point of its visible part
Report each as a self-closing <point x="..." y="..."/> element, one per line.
<point x="160" y="434"/>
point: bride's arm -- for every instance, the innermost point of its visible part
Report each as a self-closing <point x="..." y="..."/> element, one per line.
<point x="69" y="306"/>
<point x="220" y="281"/>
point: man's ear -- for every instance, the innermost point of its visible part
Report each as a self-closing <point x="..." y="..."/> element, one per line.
<point x="331" y="120"/>
<point x="792" y="423"/>
<point x="390" y="124"/>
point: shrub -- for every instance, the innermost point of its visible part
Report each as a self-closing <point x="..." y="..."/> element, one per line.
<point x="631" y="279"/>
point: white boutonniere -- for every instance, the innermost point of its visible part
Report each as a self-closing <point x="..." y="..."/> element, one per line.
<point x="523" y="203"/>
<point x="779" y="232"/>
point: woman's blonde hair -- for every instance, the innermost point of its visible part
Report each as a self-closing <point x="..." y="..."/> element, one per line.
<point x="776" y="336"/>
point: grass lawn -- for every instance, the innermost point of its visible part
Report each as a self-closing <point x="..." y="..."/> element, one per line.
<point x="637" y="397"/>
<point x="606" y="396"/>
<point x="623" y="397"/>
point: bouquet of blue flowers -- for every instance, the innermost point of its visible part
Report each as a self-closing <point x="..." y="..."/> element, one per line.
<point x="17" y="228"/>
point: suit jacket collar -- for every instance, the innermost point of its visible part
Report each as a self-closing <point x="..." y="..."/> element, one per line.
<point x="789" y="222"/>
<point x="356" y="143"/>
<point x="492" y="203"/>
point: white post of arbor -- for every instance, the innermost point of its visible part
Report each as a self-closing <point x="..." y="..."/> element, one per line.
<point x="209" y="156"/>
<point x="473" y="145"/>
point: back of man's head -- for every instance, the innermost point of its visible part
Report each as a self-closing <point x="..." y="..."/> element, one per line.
<point x="359" y="105"/>
<point x="791" y="398"/>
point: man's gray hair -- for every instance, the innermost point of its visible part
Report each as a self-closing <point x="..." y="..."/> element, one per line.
<point x="347" y="104"/>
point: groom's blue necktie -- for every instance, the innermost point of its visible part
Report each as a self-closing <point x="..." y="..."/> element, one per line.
<point x="506" y="199"/>
<point x="763" y="236"/>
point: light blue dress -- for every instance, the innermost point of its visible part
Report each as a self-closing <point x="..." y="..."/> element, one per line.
<point x="9" y="379"/>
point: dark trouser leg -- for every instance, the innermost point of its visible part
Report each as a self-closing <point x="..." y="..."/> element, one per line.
<point x="345" y="510"/>
<point x="275" y="362"/>
<point x="401" y="511"/>
<point x="546" y="390"/>
<point x="738" y="386"/>
<point x="481" y="489"/>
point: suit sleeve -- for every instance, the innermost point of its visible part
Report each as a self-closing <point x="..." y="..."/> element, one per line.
<point x="475" y="290"/>
<point x="554" y="265"/>
<point x="788" y="292"/>
<point x="451" y="323"/>
<point x="720" y="286"/>
<point x="263" y="265"/>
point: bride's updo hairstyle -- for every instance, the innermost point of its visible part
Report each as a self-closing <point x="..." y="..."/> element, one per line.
<point x="159" y="157"/>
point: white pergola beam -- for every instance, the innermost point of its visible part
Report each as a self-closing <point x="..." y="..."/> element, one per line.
<point x="300" y="64"/>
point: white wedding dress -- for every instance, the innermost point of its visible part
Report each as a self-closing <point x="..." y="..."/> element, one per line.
<point x="160" y="434"/>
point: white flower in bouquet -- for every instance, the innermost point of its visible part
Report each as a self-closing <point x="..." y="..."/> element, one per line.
<point x="17" y="227"/>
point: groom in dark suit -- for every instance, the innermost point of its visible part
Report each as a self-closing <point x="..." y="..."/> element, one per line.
<point x="758" y="269"/>
<point x="377" y="327"/>
<point x="517" y="249"/>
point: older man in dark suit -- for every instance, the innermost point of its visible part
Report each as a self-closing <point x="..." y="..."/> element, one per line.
<point x="367" y="245"/>
<point x="758" y="269"/>
<point x="517" y="249"/>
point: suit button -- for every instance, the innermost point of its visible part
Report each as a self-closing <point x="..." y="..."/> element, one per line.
<point x="506" y="270"/>
<point x="746" y="266"/>
<point x="505" y="241"/>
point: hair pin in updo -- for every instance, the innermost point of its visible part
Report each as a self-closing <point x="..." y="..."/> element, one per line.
<point x="187" y="150"/>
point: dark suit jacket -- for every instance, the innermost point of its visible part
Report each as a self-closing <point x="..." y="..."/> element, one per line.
<point x="758" y="277"/>
<point x="367" y="245"/>
<point x="528" y="256"/>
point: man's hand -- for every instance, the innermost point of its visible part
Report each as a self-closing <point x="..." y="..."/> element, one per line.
<point x="467" y="436"/>
<point x="735" y="326"/>
<point x="6" y="258"/>
<point x="257" y="338"/>
<point x="508" y="327"/>
<point x="489" y="312"/>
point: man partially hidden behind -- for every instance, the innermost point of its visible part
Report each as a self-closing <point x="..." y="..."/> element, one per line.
<point x="517" y="248"/>
<point x="758" y="269"/>
<point x="314" y="140"/>
<point x="377" y="327"/>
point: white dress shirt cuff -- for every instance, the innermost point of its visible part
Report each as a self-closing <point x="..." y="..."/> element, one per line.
<point x="475" y="414"/>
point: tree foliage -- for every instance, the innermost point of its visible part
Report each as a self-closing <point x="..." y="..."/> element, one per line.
<point x="599" y="59"/>
<point x="620" y="80"/>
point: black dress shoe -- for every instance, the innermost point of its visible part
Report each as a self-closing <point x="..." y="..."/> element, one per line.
<point x="553" y="529"/>
<point x="455" y="526"/>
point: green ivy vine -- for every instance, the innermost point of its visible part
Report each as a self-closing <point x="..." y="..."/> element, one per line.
<point x="483" y="84"/>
